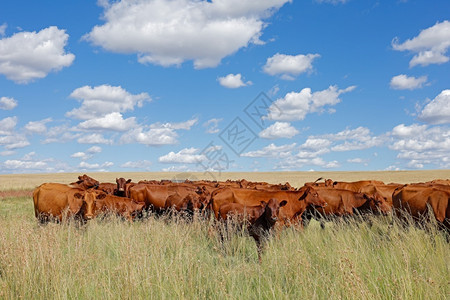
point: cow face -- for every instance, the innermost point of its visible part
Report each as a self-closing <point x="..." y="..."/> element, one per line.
<point x="272" y="209"/>
<point x="87" y="181"/>
<point x="379" y="203"/>
<point x="121" y="184"/>
<point x="90" y="198"/>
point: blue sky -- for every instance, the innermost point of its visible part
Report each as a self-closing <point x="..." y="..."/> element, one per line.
<point x="225" y="85"/>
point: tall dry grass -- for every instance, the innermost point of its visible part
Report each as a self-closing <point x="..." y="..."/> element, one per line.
<point x="161" y="258"/>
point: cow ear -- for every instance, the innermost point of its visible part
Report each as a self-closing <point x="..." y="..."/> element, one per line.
<point x="101" y="196"/>
<point x="263" y="204"/>
<point x="283" y="203"/>
<point x="128" y="181"/>
<point x="75" y="203"/>
<point x="305" y="193"/>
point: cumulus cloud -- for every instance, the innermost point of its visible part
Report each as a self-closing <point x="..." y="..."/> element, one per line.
<point x="94" y="138"/>
<point x="96" y="166"/>
<point x="212" y="125"/>
<point x="38" y="127"/>
<point x="272" y="151"/>
<point x="422" y="145"/>
<point x="171" y="32"/>
<point x="431" y="45"/>
<point x="7" y="125"/>
<point x="233" y="81"/>
<point x="99" y="101"/>
<point x="150" y="137"/>
<point x="295" y="106"/>
<point x="184" y="156"/>
<point x="279" y="130"/>
<point x="27" y="56"/>
<point x="7" y="103"/>
<point x="403" y="82"/>
<point x="88" y="154"/>
<point x="289" y="66"/>
<point x="157" y="134"/>
<point x="113" y="121"/>
<point x="140" y="164"/>
<point x="438" y="110"/>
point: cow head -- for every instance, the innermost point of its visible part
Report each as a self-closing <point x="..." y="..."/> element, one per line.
<point x="313" y="198"/>
<point x="272" y="209"/>
<point x="379" y="204"/>
<point x="87" y="182"/>
<point x="75" y="203"/>
<point x="90" y="202"/>
<point x="121" y="184"/>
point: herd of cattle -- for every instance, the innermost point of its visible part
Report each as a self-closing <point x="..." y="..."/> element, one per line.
<point x="259" y="201"/>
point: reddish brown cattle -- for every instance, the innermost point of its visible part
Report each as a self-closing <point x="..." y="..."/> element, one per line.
<point x="51" y="200"/>
<point x="155" y="196"/>
<point x="342" y="203"/>
<point x="417" y="200"/>
<point x="356" y="185"/>
<point x="297" y="201"/>
<point x="85" y="182"/>
<point x="381" y="193"/>
<point x="108" y="188"/>
<point x="261" y="218"/>
<point x="122" y="206"/>
<point x="326" y="183"/>
<point x="123" y="187"/>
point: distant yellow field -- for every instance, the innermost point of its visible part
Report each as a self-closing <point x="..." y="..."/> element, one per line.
<point x="28" y="181"/>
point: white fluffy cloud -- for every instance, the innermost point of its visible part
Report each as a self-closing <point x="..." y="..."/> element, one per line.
<point x="7" y="125"/>
<point x="141" y="164"/>
<point x="38" y="127"/>
<point x="150" y="137"/>
<point x="212" y="125"/>
<point x="295" y="106"/>
<point x="113" y="121"/>
<point x="94" y="138"/>
<point x="233" y="81"/>
<point x="289" y="66"/>
<point x="88" y="154"/>
<point x="184" y="156"/>
<point x="171" y="32"/>
<point x="105" y="99"/>
<point x="272" y="151"/>
<point x="26" y="56"/>
<point x="96" y="166"/>
<point x="403" y="82"/>
<point x="438" y="110"/>
<point x="420" y="145"/>
<point x="7" y="103"/>
<point x="279" y="130"/>
<point x="431" y="45"/>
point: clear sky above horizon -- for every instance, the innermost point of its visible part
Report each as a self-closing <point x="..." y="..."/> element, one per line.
<point x="224" y="85"/>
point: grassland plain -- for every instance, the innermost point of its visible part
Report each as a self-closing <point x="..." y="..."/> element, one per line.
<point x="162" y="258"/>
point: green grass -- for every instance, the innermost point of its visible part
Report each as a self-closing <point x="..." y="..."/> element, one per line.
<point x="174" y="259"/>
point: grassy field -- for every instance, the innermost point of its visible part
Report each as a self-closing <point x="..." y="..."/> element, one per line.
<point x="161" y="258"/>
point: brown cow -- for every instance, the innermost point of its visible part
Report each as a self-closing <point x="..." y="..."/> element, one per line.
<point x="342" y="203"/>
<point x="261" y="218"/>
<point x="122" y="206"/>
<point x="416" y="200"/>
<point x="123" y="187"/>
<point x="355" y="186"/>
<point x="108" y="188"/>
<point x="155" y="196"/>
<point x="51" y="200"/>
<point x="297" y="201"/>
<point x="85" y="182"/>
